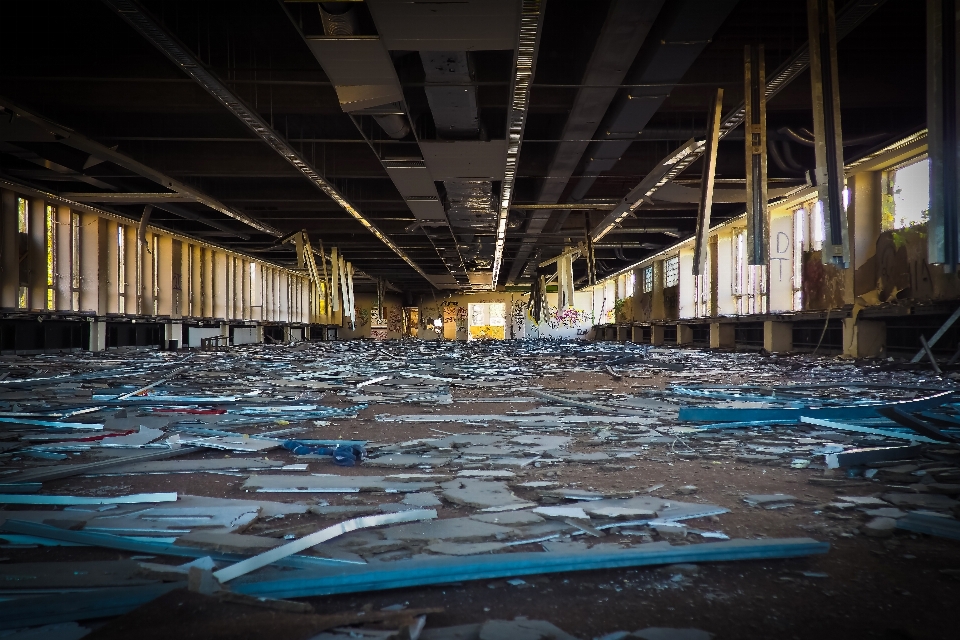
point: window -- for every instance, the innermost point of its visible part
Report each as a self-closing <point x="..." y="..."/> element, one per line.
<point x="121" y="269"/>
<point x="631" y="285"/>
<point x="816" y="227"/>
<point x="51" y="227"/>
<point x="648" y="279"/>
<point x="23" y="216"/>
<point x="739" y="262"/>
<point x="23" y="222"/>
<point x="799" y="240"/>
<point x="671" y="272"/>
<point x="906" y="198"/>
<point x="75" y="260"/>
<point x="156" y="274"/>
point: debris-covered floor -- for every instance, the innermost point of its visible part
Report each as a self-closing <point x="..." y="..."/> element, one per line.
<point x="476" y="490"/>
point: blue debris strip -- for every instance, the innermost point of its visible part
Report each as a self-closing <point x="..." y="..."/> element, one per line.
<point x="289" y="427"/>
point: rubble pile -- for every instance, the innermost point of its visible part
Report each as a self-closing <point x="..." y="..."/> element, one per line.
<point x="270" y="472"/>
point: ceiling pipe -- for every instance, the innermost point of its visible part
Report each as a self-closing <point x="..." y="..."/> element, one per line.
<point x="339" y="19"/>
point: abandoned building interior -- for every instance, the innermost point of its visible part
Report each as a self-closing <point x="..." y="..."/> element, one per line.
<point x="479" y="319"/>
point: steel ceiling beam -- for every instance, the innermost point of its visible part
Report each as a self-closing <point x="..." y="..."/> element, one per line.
<point x="849" y="18"/>
<point x="624" y="31"/>
<point x="73" y="139"/>
<point x="142" y="22"/>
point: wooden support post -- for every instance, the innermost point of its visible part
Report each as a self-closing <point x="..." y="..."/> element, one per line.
<point x="707" y="179"/>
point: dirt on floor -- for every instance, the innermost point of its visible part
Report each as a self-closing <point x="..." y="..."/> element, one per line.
<point x="901" y="585"/>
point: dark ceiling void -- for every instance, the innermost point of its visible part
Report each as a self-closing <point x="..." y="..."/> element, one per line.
<point x="413" y="136"/>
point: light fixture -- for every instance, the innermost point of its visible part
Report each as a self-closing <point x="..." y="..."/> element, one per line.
<point x="528" y="42"/>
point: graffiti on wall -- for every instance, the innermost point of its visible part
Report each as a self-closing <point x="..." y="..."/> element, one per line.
<point x="394" y="319"/>
<point x="567" y="318"/>
<point x="363" y="318"/>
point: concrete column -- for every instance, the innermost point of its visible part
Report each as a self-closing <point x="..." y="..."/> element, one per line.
<point x="722" y="335"/>
<point x="267" y="289"/>
<point x="131" y="285"/>
<point x="37" y="255"/>
<point x="242" y="293"/>
<point x="176" y="279"/>
<point x="63" y="262"/>
<point x="298" y="299"/>
<point x="237" y="288"/>
<point x="274" y="295"/>
<point x="246" y="312"/>
<point x="285" y="301"/>
<point x="777" y="336"/>
<point x="196" y="281"/>
<point x="304" y="298"/>
<point x="657" y="307"/>
<point x="112" y="263"/>
<point x="684" y="334"/>
<point x="256" y="292"/>
<point x="207" y="275"/>
<point x="92" y="230"/>
<point x="184" y="279"/>
<point x="864" y="338"/>
<point x="864" y="217"/>
<point x="173" y="331"/>
<point x="9" y="250"/>
<point x="219" y="285"/>
<point x="98" y="334"/>
<point x="294" y="289"/>
<point x="636" y="334"/>
<point x="231" y="293"/>
<point x="164" y="276"/>
<point x="148" y="273"/>
<point x="656" y="335"/>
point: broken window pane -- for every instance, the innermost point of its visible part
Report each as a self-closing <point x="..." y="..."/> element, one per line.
<point x="671" y="272"/>
<point x="907" y="201"/>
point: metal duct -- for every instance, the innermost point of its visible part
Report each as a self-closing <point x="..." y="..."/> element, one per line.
<point x="452" y="97"/>
<point x="338" y="18"/>
<point x="470" y="205"/>
<point x="684" y="29"/>
<point x="143" y="23"/>
<point x="393" y="125"/>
